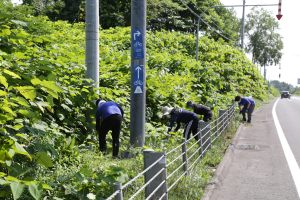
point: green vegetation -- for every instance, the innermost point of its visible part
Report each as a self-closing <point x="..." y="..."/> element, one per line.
<point x="282" y="86"/>
<point x="161" y="15"/>
<point x="48" y="145"/>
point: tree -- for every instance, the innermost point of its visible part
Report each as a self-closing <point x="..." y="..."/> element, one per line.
<point x="264" y="43"/>
<point x="172" y="15"/>
<point x="282" y="86"/>
<point x="70" y="10"/>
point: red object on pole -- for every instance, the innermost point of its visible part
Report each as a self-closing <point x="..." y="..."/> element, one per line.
<point x="279" y="15"/>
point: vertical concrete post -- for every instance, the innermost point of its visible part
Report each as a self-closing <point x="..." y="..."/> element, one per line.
<point x="118" y="187"/>
<point x="149" y="158"/>
<point x="92" y="41"/>
<point x="200" y="142"/>
<point x="205" y="133"/>
<point x="138" y="73"/>
<point x="222" y="119"/>
<point x="184" y="156"/>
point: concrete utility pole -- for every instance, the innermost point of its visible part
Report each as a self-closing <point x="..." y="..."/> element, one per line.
<point x="243" y="25"/>
<point x="138" y="72"/>
<point x="92" y="40"/>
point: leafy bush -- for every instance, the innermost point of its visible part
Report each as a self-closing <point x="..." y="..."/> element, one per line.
<point x="48" y="143"/>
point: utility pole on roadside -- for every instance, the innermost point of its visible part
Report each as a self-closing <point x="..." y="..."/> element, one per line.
<point x="138" y="73"/>
<point x="92" y="40"/>
<point x="243" y="25"/>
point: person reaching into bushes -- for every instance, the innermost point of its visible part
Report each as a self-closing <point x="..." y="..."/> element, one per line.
<point x="109" y="117"/>
<point x="181" y="116"/>
<point x="201" y="110"/>
<point x="246" y="105"/>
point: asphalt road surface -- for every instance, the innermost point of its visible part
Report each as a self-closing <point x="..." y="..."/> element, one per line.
<point x="263" y="161"/>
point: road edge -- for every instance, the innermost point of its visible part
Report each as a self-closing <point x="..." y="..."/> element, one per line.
<point x="217" y="178"/>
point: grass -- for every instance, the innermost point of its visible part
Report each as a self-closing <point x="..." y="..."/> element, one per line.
<point x="193" y="185"/>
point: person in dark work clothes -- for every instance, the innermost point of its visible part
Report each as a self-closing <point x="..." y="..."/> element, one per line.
<point x="109" y="117"/>
<point x="246" y="105"/>
<point x="201" y="110"/>
<point x="179" y="115"/>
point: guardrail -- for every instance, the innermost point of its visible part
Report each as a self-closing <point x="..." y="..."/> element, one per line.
<point x="162" y="171"/>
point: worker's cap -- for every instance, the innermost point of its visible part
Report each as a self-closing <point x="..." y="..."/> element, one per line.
<point x="166" y="110"/>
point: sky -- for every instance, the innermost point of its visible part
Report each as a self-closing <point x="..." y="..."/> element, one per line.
<point x="290" y="32"/>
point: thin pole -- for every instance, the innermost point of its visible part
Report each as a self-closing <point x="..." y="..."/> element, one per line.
<point x="197" y="39"/>
<point x="138" y="72"/>
<point x="92" y="41"/>
<point x="243" y="25"/>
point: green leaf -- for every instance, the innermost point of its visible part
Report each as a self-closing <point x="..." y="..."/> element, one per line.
<point x="28" y="92"/>
<point x="17" y="127"/>
<point x="27" y="113"/>
<point x="41" y="105"/>
<point x="5" y="32"/>
<point x="12" y="179"/>
<point x="51" y="92"/>
<point x="20" y="150"/>
<point x="3" y="81"/>
<point x="35" y="81"/>
<point x="35" y="190"/>
<point x="21" y="101"/>
<point x="44" y="159"/>
<point x="3" y="93"/>
<point x="18" y="22"/>
<point x="2" y="174"/>
<point x="46" y="187"/>
<point x="7" y="109"/>
<point x="12" y="74"/>
<point x="51" y="85"/>
<point x="16" y="189"/>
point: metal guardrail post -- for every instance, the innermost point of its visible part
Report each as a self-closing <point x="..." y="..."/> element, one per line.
<point x="149" y="158"/>
<point x="221" y="120"/>
<point x="184" y="156"/>
<point x="205" y="131"/>
<point x="118" y="187"/>
<point x="200" y="141"/>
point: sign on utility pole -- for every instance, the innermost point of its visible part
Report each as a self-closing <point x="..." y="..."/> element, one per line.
<point x="138" y="72"/>
<point x="92" y="40"/>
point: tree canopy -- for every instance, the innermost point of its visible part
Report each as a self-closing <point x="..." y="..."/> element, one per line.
<point x="265" y="43"/>
<point x="172" y="15"/>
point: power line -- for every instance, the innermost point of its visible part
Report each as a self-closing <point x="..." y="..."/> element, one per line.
<point x="219" y="28"/>
<point x="206" y="23"/>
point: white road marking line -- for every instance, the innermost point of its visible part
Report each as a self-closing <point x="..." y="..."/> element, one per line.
<point x="289" y="156"/>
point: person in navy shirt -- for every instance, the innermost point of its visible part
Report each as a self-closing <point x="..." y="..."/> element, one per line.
<point x="179" y="115"/>
<point x="109" y="117"/>
<point x="200" y="110"/>
<point x="246" y="105"/>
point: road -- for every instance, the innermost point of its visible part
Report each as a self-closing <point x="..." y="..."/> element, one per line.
<point x="263" y="161"/>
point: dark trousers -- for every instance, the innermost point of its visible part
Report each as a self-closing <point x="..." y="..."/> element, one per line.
<point x="249" y="113"/>
<point x="193" y="129"/>
<point x="111" y="123"/>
